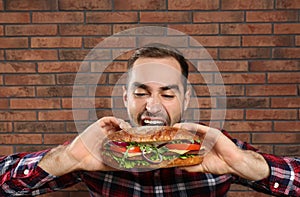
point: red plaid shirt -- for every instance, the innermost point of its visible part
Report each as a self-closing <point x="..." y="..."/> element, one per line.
<point x="20" y="175"/>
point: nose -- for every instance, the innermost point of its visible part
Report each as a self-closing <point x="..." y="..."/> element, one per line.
<point x="154" y="105"/>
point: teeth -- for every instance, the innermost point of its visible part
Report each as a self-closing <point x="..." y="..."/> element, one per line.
<point x="154" y="122"/>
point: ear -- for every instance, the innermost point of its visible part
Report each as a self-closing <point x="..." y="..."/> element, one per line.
<point x="125" y="96"/>
<point x="187" y="97"/>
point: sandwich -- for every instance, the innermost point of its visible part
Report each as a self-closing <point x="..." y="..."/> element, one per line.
<point x="152" y="147"/>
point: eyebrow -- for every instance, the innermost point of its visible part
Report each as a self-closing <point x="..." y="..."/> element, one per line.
<point x="164" y="88"/>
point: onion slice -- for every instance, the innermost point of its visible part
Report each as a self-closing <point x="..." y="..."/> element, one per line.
<point x="144" y="154"/>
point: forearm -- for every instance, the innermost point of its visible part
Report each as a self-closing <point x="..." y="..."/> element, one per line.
<point x="58" y="161"/>
<point x="253" y="166"/>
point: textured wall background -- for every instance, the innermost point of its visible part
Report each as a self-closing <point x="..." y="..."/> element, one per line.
<point x="256" y="45"/>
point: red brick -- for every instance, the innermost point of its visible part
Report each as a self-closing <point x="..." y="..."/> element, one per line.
<point x="122" y="27"/>
<point x="289" y="126"/>
<point x="241" y="78"/>
<point x="196" y="29"/>
<point x="287" y="4"/>
<point x="275" y="65"/>
<point x="4" y="104"/>
<point x="218" y="41"/>
<point x="86" y="102"/>
<point x="1" y="31"/>
<point x="139" y="5"/>
<point x="175" y="40"/>
<point x="82" y="79"/>
<point x="200" y="53"/>
<point x="30" y="30"/>
<point x="31" y="55"/>
<point x="248" y="126"/>
<point x="231" y="90"/>
<point x="246" y="28"/>
<point x="297" y="40"/>
<point x="165" y="17"/>
<point x="57" y="17"/>
<point x="6" y="127"/>
<point x="31" y="5"/>
<point x="20" y="138"/>
<point x="203" y="103"/>
<point x="218" y="16"/>
<point x="73" y="54"/>
<point x="111" y="17"/>
<point x="39" y="127"/>
<point x="14" y="17"/>
<point x="113" y="42"/>
<point x="1" y="5"/>
<point x="268" y="41"/>
<point x="85" y="5"/>
<point x="246" y="193"/>
<point x="284" y="77"/>
<point x="292" y="28"/>
<point x="29" y="79"/>
<point x="1" y="80"/>
<point x="84" y="30"/>
<point x="60" y="67"/>
<point x="281" y="53"/>
<point x="193" y="5"/>
<point x="113" y="67"/>
<point x="246" y="5"/>
<point x="222" y="66"/>
<point x="17" y="91"/>
<point x="56" y="42"/>
<point x="272" y="114"/>
<point x="17" y="67"/>
<point x="245" y="102"/>
<point x="271" y="90"/>
<point x="34" y="103"/>
<point x="6" y="150"/>
<point x="287" y="150"/>
<point x="63" y="115"/>
<point x="58" y="138"/>
<point x="103" y="91"/>
<point x="271" y="16"/>
<point x="231" y="114"/>
<point x="6" y="43"/>
<point x="285" y="102"/>
<point x="17" y="116"/>
<point x="61" y="91"/>
<point x="244" y="53"/>
<point x="282" y="138"/>
<point x="197" y="78"/>
<point x="96" y="54"/>
<point x="1" y="55"/>
<point x="91" y="42"/>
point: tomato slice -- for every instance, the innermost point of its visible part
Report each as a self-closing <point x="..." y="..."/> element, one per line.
<point x="183" y="146"/>
<point x="121" y="149"/>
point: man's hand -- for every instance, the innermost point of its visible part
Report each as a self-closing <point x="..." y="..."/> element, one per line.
<point x="224" y="157"/>
<point x="84" y="153"/>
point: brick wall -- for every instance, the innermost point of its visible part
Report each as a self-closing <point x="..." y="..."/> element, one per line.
<point x="254" y="43"/>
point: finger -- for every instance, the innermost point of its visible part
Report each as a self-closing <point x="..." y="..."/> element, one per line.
<point x="123" y="125"/>
<point x="192" y="127"/>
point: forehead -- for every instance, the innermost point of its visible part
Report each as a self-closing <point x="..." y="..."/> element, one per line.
<point x="163" y="71"/>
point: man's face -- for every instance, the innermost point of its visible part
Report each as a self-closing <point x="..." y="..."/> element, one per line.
<point x="155" y="93"/>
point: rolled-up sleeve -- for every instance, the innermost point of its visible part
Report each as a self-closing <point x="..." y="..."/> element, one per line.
<point x="284" y="179"/>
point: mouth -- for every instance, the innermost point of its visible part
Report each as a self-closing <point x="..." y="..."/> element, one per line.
<point x="152" y="122"/>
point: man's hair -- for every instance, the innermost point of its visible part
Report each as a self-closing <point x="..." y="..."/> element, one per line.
<point x="157" y="50"/>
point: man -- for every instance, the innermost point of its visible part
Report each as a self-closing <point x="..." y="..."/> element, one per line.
<point x="151" y="98"/>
